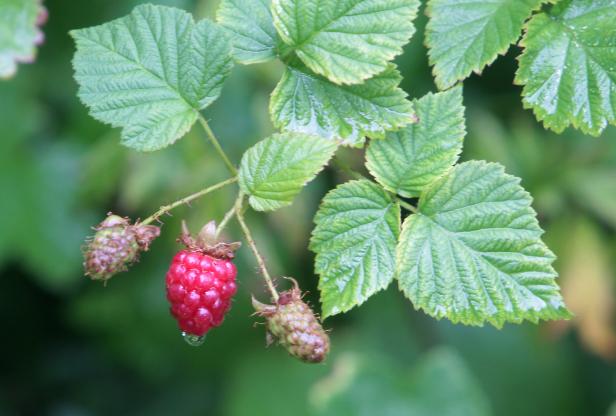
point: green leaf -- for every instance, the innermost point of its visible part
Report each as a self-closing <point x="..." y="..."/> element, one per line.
<point x="466" y="35"/>
<point x="409" y="160"/>
<point x="307" y="103"/>
<point x="357" y="227"/>
<point x="151" y="72"/>
<point x="19" y="33"/>
<point x="347" y="41"/>
<point x="567" y="67"/>
<point x="251" y="29"/>
<point x="474" y="253"/>
<point x="276" y="169"/>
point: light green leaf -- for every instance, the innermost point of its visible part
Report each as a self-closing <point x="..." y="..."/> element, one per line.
<point x="308" y="103"/>
<point x="355" y="237"/>
<point x="466" y="35"/>
<point x="347" y="41"/>
<point x="474" y="253"/>
<point x="151" y="72"/>
<point x="409" y="160"/>
<point x="276" y="169"/>
<point x="251" y="29"/>
<point x="19" y="33"/>
<point x="568" y="66"/>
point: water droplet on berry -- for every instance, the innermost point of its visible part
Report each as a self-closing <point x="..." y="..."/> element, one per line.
<point x="193" y="340"/>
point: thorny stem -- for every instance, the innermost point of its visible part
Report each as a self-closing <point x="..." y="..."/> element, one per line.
<point x="210" y="134"/>
<point x="407" y="206"/>
<point x="165" y="209"/>
<point x="240" y="218"/>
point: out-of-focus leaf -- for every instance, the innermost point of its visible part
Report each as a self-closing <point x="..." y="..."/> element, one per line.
<point x="346" y="41"/>
<point x="567" y="67"/>
<point x="410" y="159"/>
<point x="355" y="237"/>
<point x="151" y="72"/>
<point x="19" y="33"/>
<point x="251" y="28"/>
<point x="473" y="253"/>
<point x="364" y="385"/>
<point x="595" y="188"/>
<point x="307" y="103"/>
<point x="276" y="169"/>
<point x="271" y="383"/>
<point x="41" y="227"/>
<point x="587" y="286"/>
<point x="37" y="216"/>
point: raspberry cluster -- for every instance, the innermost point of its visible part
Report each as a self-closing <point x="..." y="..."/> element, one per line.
<point x="200" y="288"/>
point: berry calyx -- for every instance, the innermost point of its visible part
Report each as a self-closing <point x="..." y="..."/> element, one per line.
<point x="201" y="281"/>
<point x="116" y="244"/>
<point x="294" y="325"/>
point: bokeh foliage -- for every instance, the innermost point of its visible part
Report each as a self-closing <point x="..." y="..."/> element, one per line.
<point x="73" y="347"/>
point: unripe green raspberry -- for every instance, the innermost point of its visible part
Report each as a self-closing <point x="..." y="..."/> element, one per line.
<point x="115" y="245"/>
<point x="293" y="324"/>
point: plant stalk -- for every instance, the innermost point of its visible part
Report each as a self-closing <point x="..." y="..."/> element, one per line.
<point x="407" y="206"/>
<point x="212" y="137"/>
<point x="225" y="221"/>
<point x="247" y="234"/>
<point x="167" y="208"/>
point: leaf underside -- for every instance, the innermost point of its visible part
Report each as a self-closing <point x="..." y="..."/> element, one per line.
<point x="567" y="67"/>
<point x="408" y="160"/>
<point x="357" y="227"/>
<point x="151" y="72"/>
<point x="474" y="253"/>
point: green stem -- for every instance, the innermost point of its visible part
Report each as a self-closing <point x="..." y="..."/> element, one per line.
<point x="212" y="137"/>
<point x="165" y="209"/>
<point x="407" y="206"/>
<point x="343" y="167"/>
<point x="251" y="242"/>
<point x="225" y="221"/>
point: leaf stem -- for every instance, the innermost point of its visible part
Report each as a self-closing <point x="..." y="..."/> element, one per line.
<point x="165" y="209"/>
<point x="225" y="221"/>
<point x="343" y="167"/>
<point x="212" y="137"/>
<point x="240" y="218"/>
<point x="408" y="206"/>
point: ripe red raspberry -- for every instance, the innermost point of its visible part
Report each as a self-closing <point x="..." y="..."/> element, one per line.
<point x="201" y="282"/>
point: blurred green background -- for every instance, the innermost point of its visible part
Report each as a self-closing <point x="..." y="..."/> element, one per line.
<point x="73" y="347"/>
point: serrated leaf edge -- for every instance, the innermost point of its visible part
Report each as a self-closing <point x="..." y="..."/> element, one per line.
<point x="560" y="313"/>
<point x="440" y="83"/>
<point x="383" y="286"/>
